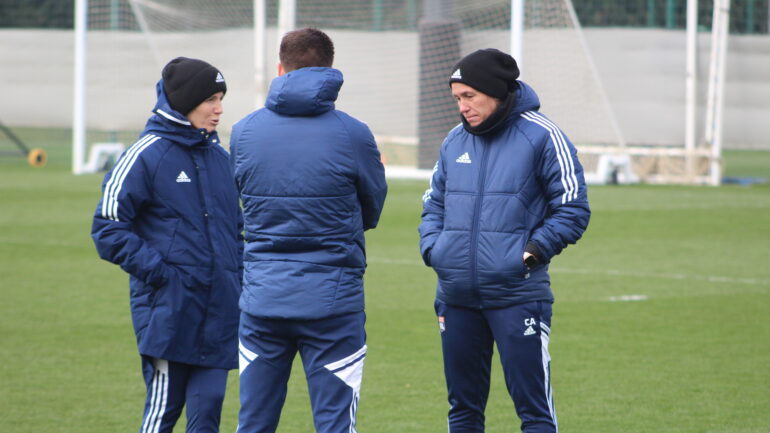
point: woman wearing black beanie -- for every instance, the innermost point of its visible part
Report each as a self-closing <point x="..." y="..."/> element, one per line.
<point x="507" y="195"/>
<point x="170" y="217"/>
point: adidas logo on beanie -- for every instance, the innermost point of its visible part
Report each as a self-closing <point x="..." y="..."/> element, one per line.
<point x="188" y="82"/>
<point x="489" y="71"/>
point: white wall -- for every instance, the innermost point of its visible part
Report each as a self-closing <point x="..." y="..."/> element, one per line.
<point x="642" y="72"/>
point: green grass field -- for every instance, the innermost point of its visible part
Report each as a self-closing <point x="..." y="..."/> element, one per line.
<point x="692" y="356"/>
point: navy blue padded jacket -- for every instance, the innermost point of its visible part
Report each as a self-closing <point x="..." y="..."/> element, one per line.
<point x="170" y="217"/>
<point x="489" y="196"/>
<point x="311" y="182"/>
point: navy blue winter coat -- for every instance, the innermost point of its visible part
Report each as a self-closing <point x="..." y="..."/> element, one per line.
<point x="170" y="217"/>
<point x="311" y="182"/>
<point x="493" y="193"/>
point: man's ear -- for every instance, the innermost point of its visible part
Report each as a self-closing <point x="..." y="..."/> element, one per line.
<point x="281" y="70"/>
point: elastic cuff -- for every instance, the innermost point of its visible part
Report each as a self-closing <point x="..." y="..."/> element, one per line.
<point x="534" y="249"/>
<point x="160" y="279"/>
<point x="426" y="257"/>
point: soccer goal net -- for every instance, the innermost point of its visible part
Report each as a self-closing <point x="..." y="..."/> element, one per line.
<point x="127" y="43"/>
<point x="395" y="55"/>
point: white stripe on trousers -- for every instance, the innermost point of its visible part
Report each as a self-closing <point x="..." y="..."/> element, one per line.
<point x="544" y="339"/>
<point x="353" y="410"/>
<point x="154" y="416"/>
<point x="350" y="371"/>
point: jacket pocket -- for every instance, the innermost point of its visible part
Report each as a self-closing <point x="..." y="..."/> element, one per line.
<point x="171" y="239"/>
<point x="500" y="260"/>
<point x="434" y="254"/>
<point x="450" y="259"/>
<point x="194" y="277"/>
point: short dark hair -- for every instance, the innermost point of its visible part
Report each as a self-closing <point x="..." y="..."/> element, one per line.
<point x="304" y="48"/>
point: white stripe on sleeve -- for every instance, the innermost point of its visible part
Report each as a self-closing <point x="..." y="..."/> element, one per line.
<point x="426" y="195"/>
<point x="567" y="153"/>
<point x="122" y="167"/>
<point x="563" y="155"/>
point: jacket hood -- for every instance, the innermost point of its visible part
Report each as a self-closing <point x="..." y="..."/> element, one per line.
<point x="172" y="125"/>
<point x="305" y="92"/>
<point x="526" y="99"/>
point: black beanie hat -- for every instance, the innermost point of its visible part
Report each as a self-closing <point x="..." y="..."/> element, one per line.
<point x="188" y="82"/>
<point x="489" y="71"/>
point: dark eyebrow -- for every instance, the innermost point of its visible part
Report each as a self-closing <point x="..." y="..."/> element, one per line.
<point x="465" y="93"/>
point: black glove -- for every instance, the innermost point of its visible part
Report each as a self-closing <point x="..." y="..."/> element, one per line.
<point x="534" y="259"/>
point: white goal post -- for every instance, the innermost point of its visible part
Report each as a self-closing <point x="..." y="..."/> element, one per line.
<point x="116" y="67"/>
<point x="79" y="86"/>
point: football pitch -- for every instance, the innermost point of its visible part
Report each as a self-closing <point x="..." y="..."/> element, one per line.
<point x="661" y="321"/>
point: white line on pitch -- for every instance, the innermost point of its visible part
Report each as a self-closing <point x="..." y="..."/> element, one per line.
<point x="611" y="272"/>
<point x="624" y="298"/>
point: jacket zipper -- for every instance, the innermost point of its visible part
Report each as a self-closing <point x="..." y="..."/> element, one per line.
<point x="475" y="228"/>
<point x="198" y="159"/>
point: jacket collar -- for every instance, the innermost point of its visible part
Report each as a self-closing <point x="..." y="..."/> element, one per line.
<point x="173" y="126"/>
<point x="522" y="98"/>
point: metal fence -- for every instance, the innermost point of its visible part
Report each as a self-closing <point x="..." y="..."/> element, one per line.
<point x="747" y="16"/>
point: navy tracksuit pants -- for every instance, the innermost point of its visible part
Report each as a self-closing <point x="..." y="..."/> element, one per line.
<point x="171" y="386"/>
<point x="332" y="352"/>
<point x="521" y="333"/>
